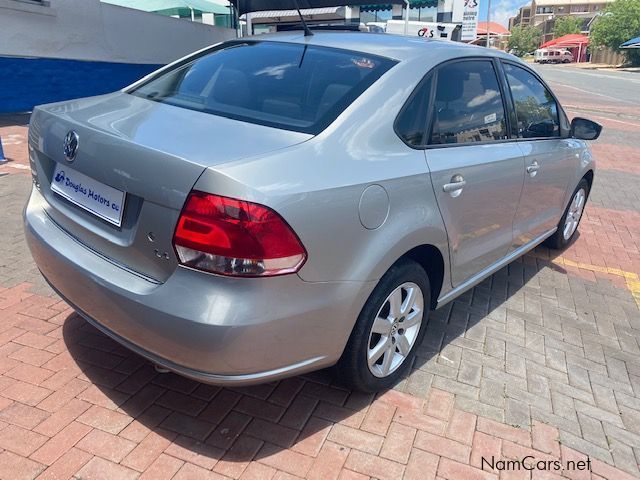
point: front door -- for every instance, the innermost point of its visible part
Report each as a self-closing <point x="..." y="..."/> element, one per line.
<point x="550" y="160"/>
<point x="477" y="175"/>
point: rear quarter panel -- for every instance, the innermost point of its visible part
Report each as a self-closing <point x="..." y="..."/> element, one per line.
<point x="317" y="186"/>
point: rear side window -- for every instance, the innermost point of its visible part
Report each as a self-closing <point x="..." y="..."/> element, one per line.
<point x="468" y="105"/>
<point x="412" y="121"/>
<point x="289" y="86"/>
<point x="536" y="109"/>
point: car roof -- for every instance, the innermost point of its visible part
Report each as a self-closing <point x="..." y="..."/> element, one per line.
<point x="397" y="47"/>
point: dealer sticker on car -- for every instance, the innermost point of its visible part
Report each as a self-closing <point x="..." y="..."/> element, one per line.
<point x="102" y="200"/>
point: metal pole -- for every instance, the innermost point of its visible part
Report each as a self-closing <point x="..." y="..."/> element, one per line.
<point x="406" y="17"/>
<point x="236" y="18"/>
<point x="579" y="52"/>
<point x="488" y="28"/>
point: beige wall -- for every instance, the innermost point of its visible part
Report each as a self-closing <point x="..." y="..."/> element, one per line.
<point x="606" y="56"/>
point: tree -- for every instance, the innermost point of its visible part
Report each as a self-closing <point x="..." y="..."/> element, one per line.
<point x="566" y="25"/>
<point x="524" y="39"/>
<point x="619" y="22"/>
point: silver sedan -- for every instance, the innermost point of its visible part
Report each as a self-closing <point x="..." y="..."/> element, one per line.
<point x="274" y="205"/>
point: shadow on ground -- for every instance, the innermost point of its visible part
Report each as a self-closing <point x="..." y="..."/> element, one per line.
<point x="207" y="420"/>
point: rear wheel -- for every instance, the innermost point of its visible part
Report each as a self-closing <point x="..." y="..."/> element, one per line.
<point x="569" y="222"/>
<point x="392" y="323"/>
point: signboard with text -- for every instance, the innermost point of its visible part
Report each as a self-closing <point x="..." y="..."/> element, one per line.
<point x="469" y="20"/>
<point x="440" y="31"/>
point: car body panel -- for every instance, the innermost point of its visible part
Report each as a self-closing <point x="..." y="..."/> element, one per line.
<point x="479" y="218"/>
<point x="201" y="322"/>
<point x="154" y="153"/>
<point x="292" y="178"/>
<point x="542" y="202"/>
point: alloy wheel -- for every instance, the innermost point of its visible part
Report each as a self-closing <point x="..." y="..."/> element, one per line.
<point x="395" y="329"/>
<point x="574" y="213"/>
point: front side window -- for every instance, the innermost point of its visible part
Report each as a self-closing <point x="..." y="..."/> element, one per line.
<point x="536" y="109"/>
<point x="283" y="85"/>
<point x="468" y="105"/>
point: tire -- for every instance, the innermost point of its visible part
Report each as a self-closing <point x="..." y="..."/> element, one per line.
<point x="354" y="369"/>
<point x="566" y="233"/>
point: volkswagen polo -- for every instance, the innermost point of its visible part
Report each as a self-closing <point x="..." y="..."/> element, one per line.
<point x="270" y="206"/>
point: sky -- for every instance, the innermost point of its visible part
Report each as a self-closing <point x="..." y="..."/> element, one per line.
<point x="501" y="10"/>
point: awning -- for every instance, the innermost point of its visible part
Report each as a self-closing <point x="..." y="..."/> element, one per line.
<point x="376" y="8"/>
<point x="633" y="43"/>
<point x="173" y="7"/>
<point x="294" y="13"/>
<point x="413" y="4"/>
<point x="567" y="41"/>
<point x="245" y="6"/>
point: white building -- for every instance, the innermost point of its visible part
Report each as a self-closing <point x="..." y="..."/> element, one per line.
<point x="59" y="49"/>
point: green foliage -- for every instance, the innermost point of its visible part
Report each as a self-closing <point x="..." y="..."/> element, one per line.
<point x="566" y="25"/>
<point x="524" y="40"/>
<point x="619" y="22"/>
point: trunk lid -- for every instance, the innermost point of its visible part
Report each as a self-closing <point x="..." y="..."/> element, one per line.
<point x="151" y="151"/>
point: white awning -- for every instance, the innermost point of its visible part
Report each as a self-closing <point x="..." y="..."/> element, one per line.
<point x="294" y="13"/>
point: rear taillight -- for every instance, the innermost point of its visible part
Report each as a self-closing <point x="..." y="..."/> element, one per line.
<point x="233" y="237"/>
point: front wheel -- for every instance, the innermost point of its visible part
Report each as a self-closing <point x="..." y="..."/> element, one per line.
<point x="389" y="328"/>
<point x="569" y="222"/>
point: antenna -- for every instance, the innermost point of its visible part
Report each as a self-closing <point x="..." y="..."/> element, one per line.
<point x="307" y="31"/>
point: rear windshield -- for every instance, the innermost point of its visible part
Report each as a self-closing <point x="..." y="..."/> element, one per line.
<point x="289" y="86"/>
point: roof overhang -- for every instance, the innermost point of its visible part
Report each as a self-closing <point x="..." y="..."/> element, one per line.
<point x="247" y="6"/>
<point x="633" y="43"/>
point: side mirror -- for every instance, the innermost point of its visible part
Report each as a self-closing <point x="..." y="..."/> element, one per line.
<point x="585" y="129"/>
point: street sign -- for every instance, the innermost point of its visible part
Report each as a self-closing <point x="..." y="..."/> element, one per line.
<point x="469" y="20"/>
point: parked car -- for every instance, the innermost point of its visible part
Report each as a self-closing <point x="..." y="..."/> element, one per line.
<point x="275" y="205"/>
<point x="552" y="55"/>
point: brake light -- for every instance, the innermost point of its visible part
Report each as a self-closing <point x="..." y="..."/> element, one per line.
<point x="234" y="237"/>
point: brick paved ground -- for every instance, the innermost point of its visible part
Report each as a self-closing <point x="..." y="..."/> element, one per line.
<point x="541" y="359"/>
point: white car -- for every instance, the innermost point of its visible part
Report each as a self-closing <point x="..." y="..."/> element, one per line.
<point x="548" y="55"/>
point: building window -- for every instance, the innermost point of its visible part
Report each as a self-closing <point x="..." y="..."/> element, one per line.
<point x="541" y="10"/>
<point x="375" y="16"/>
<point x="579" y="8"/>
<point x="423" y="14"/>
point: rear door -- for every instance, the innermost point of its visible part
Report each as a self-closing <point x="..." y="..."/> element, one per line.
<point x="550" y="156"/>
<point x="476" y="170"/>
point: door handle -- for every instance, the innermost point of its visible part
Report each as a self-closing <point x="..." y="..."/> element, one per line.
<point x="533" y="169"/>
<point x="455" y="186"/>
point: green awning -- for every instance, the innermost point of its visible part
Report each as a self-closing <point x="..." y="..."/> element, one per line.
<point x="413" y="4"/>
<point x="423" y="3"/>
<point x="375" y="8"/>
<point x="181" y="8"/>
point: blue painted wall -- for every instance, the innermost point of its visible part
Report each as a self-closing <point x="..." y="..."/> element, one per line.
<point x="27" y="82"/>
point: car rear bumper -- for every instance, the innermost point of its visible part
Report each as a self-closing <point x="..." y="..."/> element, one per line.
<point x="214" y="329"/>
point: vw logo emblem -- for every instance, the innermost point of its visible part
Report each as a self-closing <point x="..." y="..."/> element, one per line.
<point x="70" y="146"/>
